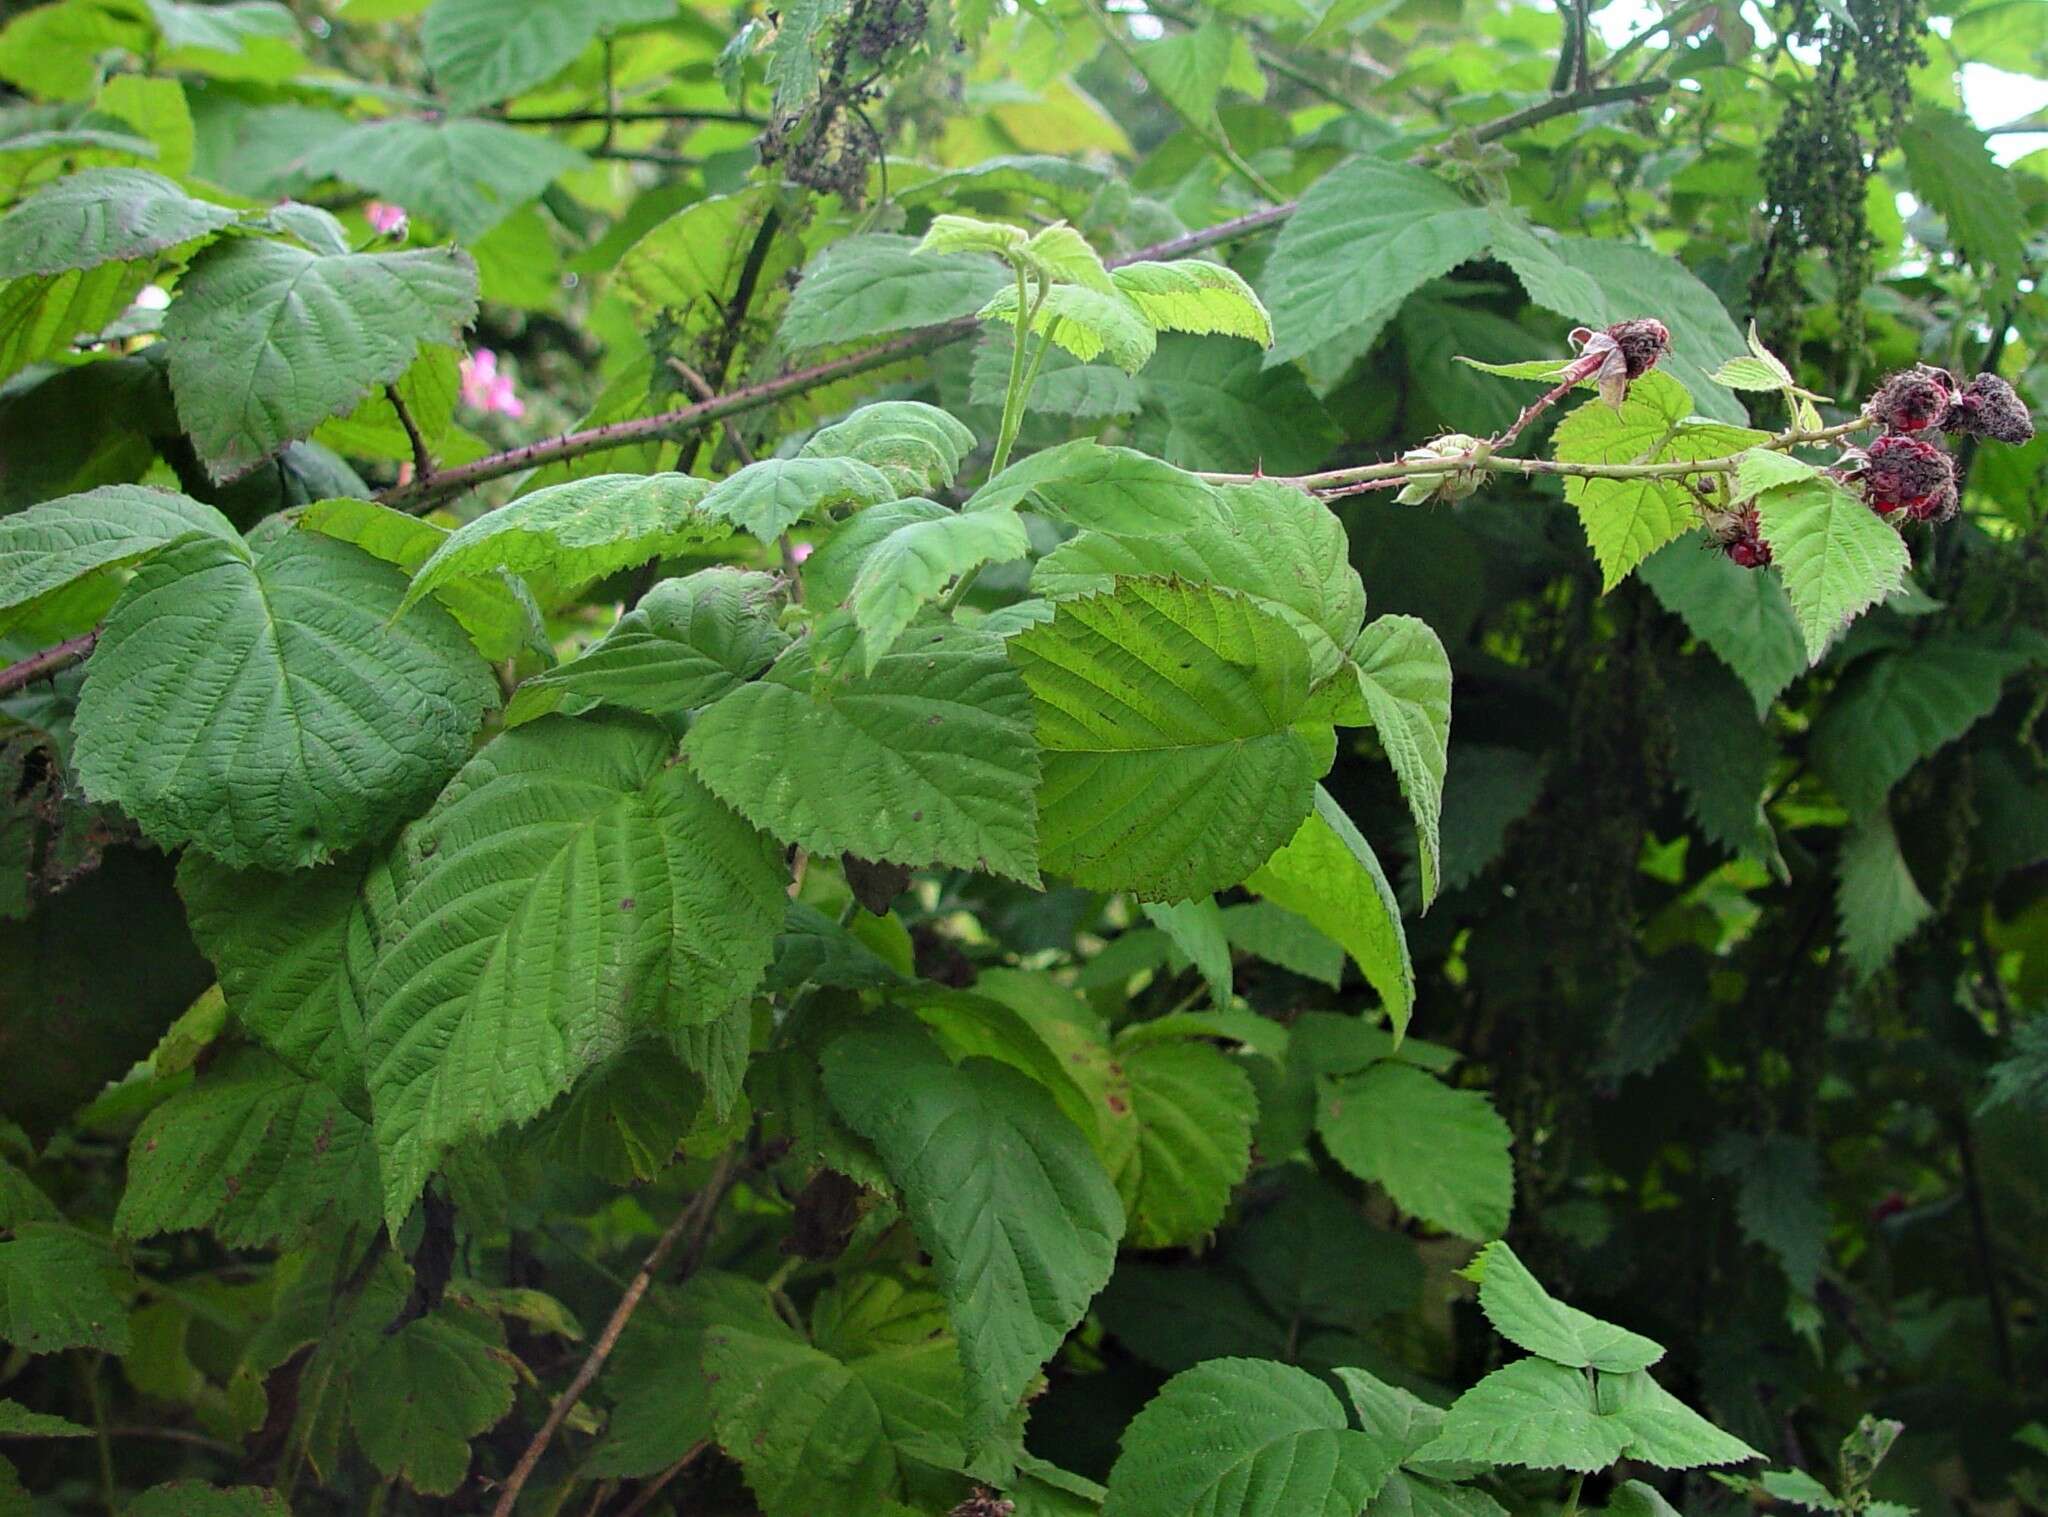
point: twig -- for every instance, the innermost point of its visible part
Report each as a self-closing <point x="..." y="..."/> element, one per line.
<point x="422" y="457"/>
<point x="1980" y="1231"/>
<point x="648" y="155"/>
<point x="178" y="1435"/>
<point x="1670" y="23"/>
<point x="89" y="1375"/>
<point x="1479" y="457"/>
<point x="593" y="118"/>
<point x="1210" y="132"/>
<point x="694" y="1221"/>
<point x="50" y="661"/>
<point x="654" y="1487"/>
<point x="911" y="344"/>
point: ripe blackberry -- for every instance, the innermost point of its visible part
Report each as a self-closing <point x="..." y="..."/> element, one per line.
<point x="1914" y="399"/>
<point x="1989" y="407"/>
<point x="1905" y="473"/>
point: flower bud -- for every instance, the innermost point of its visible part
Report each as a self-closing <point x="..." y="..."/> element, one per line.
<point x="1449" y="487"/>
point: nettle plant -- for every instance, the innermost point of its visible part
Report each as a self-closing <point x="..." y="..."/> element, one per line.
<point x="557" y="853"/>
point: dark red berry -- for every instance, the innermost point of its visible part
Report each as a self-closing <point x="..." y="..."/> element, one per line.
<point x="1939" y="506"/>
<point x="1742" y="540"/>
<point x="1642" y="342"/>
<point x="1905" y="473"/>
<point x="1914" y="399"/>
<point x="1989" y="407"/>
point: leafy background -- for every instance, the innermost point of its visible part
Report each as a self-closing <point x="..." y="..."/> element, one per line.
<point x="1739" y="956"/>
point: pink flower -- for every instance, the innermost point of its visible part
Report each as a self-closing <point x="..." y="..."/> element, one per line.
<point x="801" y="552"/>
<point x="485" y="389"/>
<point x="388" y="219"/>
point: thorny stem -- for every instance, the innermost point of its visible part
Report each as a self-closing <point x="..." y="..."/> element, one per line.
<point x="89" y="1376"/>
<point x="50" y="661"/>
<point x="1335" y="481"/>
<point x="693" y="1221"/>
<point x="592" y="118"/>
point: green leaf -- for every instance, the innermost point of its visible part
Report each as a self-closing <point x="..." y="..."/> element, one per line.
<point x="1722" y="758"/>
<point x="1268" y="932"/>
<point x="1365" y="236"/>
<point x="661" y="1400"/>
<point x="1328" y="875"/>
<point x="42" y="316"/>
<point x="1764" y="469"/>
<point x="253" y="1153"/>
<point x="908" y="569"/>
<point x="294" y="952"/>
<point x="562" y="845"/>
<point x="969" y="234"/>
<point x="1114" y="490"/>
<point x="1748" y="372"/>
<point x="58" y="1290"/>
<point x="1194" y="296"/>
<point x="1276" y="545"/>
<point x="268" y="340"/>
<point x="484" y="51"/>
<point x="1800" y="1489"/>
<point x="1195" y="1109"/>
<point x="17" y="1421"/>
<point x="769" y="497"/>
<point x="926" y="758"/>
<point x="1442" y="1154"/>
<point x="497" y="613"/>
<point x="793" y="62"/>
<point x="869" y="286"/>
<point x="1065" y="387"/>
<point x="1063" y="256"/>
<point x="1214" y="405"/>
<point x="624" y="1121"/>
<point x="1745" y="617"/>
<point x="256" y="40"/>
<point x="1661" y="1429"/>
<point x="916" y="447"/>
<point x="1532" y="1413"/>
<point x="1167" y="712"/>
<point x="1188" y="68"/>
<point x="1196" y="928"/>
<point x="1528" y="1316"/>
<point x="1626" y="520"/>
<point x="105" y="215"/>
<point x="1837" y="556"/>
<point x="1779" y="1204"/>
<point x="1902" y="706"/>
<point x="578" y="531"/>
<point x="51" y="547"/>
<point x="1088" y="323"/>
<point x="266" y="708"/>
<point x="1950" y="167"/>
<point x="1013" y="1206"/>
<point x="467" y="175"/>
<point x="688" y="642"/>
<point x="1245" y="1438"/>
<point x="187" y="1498"/>
<point x="1403" y="677"/>
<point x="1877" y="900"/>
<point x="420" y="1395"/>
<point x="684" y="269"/>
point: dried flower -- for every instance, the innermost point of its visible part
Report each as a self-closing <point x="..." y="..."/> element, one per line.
<point x="1989" y="407"/>
<point x="1625" y="351"/>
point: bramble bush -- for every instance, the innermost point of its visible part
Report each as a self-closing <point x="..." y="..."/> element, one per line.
<point x="727" y="761"/>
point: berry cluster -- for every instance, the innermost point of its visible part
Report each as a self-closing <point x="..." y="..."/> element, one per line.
<point x="1903" y="474"/>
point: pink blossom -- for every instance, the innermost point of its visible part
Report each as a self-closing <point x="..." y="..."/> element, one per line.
<point x="485" y="389"/>
<point x="388" y="219"/>
<point x="801" y="552"/>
